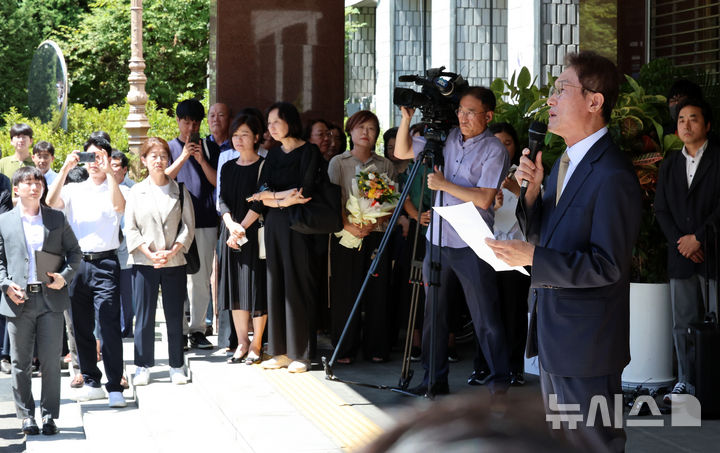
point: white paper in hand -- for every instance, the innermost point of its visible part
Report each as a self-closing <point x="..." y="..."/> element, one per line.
<point x="472" y="229"/>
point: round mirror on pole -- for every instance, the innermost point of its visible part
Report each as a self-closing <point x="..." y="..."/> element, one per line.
<point x="48" y="85"/>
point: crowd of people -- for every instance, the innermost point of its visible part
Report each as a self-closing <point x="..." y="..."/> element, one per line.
<point x="213" y="229"/>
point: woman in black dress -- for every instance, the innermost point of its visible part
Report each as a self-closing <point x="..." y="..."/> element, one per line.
<point x="292" y="281"/>
<point x="242" y="272"/>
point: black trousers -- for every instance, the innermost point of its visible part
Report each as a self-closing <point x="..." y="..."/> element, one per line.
<point x="349" y="267"/>
<point x="127" y="304"/>
<point x="513" y="287"/>
<point x="580" y="391"/>
<point x="146" y="280"/>
<point x="95" y="289"/>
<point x="481" y="294"/>
<point x="292" y="286"/>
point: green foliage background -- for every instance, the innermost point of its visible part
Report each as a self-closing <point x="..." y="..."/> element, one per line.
<point x="24" y="25"/>
<point x="95" y="38"/>
<point x="82" y="121"/>
<point x="175" y="46"/>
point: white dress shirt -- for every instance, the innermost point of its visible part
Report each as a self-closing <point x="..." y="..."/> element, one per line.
<point x="34" y="236"/>
<point x="692" y="162"/>
<point x="91" y="215"/>
<point x="577" y="151"/>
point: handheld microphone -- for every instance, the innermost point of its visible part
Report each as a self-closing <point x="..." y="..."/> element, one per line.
<point x="536" y="138"/>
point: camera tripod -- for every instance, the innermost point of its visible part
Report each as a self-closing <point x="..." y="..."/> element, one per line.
<point x="430" y="157"/>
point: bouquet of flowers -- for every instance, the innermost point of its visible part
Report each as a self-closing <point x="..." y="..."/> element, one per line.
<point x="374" y="196"/>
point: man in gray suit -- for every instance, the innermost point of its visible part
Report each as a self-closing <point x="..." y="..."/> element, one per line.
<point x="34" y="310"/>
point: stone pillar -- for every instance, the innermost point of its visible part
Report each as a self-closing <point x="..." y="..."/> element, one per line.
<point x="560" y="35"/>
<point x="137" y="123"/>
<point x="385" y="62"/>
<point x="444" y="42"/>
<point x="523" y="37"/>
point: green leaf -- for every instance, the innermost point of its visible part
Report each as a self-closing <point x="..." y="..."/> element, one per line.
<point x="671" y="142"/>
<point x="633" y="83"/>
<point x="524" y="78"/>
<point x="658" y="127"/>
<point x="537" y="104"/>
<point x="497" y="86"/>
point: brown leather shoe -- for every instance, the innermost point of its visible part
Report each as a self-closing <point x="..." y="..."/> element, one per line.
<point x="77" y="382"/>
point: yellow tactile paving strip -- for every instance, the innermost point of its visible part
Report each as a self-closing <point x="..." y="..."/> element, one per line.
<point x="342" y="422"/>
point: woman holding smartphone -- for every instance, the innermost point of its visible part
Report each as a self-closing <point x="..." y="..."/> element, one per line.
<point x="243" y="283"/>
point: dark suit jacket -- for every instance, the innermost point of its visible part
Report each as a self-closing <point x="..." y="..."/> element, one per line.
<point x="581" y="266"/>
<point x="59" y="239"/>
<point x="681" y="210"/>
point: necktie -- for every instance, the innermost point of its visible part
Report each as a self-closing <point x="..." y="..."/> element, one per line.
<point x="562" y="170"/>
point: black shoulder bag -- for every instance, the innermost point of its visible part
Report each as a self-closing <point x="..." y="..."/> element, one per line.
<point x="323" y="213"/>
<point x="192" y="257"/>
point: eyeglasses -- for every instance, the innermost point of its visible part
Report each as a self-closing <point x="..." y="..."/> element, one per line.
<point x="322" y="134"/>
<point x="559" y="88"/>
<point x="469" y="114"/>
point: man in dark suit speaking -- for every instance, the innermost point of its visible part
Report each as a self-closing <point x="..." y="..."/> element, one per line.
<point x="580" y="235"/>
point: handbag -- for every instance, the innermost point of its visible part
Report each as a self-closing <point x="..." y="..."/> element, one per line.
<point x="261" y="229"/>
<point x="323" y="213"/>
<point x="192" y="257"/>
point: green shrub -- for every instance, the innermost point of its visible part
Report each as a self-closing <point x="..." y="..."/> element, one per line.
<point x="83" y="121"/>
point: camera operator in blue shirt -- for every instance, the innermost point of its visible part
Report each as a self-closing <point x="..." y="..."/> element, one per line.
<point x="475" y="165"/>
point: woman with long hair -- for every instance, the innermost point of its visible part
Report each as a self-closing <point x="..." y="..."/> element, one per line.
<point x="292" y="282"/>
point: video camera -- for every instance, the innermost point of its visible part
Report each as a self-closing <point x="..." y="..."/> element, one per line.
<point x="437" y="100"/>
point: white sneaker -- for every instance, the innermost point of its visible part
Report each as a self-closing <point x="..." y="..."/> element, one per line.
<point x="142" y="376"/>
<point x="298" y="366"/>
<point x="116" y="399"/>
<point x="177" y="376"/>
<point x="278" y="361"/>
<point x="87" y="393"/>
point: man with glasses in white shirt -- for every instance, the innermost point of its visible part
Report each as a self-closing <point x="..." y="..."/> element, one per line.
<point x="475" y="164"/>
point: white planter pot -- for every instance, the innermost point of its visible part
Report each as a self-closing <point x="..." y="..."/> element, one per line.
<point x="651" y="341"/>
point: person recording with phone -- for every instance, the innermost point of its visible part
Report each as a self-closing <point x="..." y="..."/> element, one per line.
<point x="94" y="209"/>
<point x="475" y="164"/>
<point x="195" y="166"/>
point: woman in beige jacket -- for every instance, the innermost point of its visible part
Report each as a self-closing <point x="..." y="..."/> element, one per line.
<point x="159" y="227"/>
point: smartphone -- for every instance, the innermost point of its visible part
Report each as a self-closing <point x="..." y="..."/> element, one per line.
<point x="195" y="138"/>
<point x="86" y="156"/>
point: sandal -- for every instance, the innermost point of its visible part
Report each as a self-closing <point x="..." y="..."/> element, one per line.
<point x="77" y="381"/>
<point x="235" y="358"/>
<point x="253" y="358"/>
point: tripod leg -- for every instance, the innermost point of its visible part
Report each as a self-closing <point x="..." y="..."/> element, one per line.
<point x="406" y="373"/>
